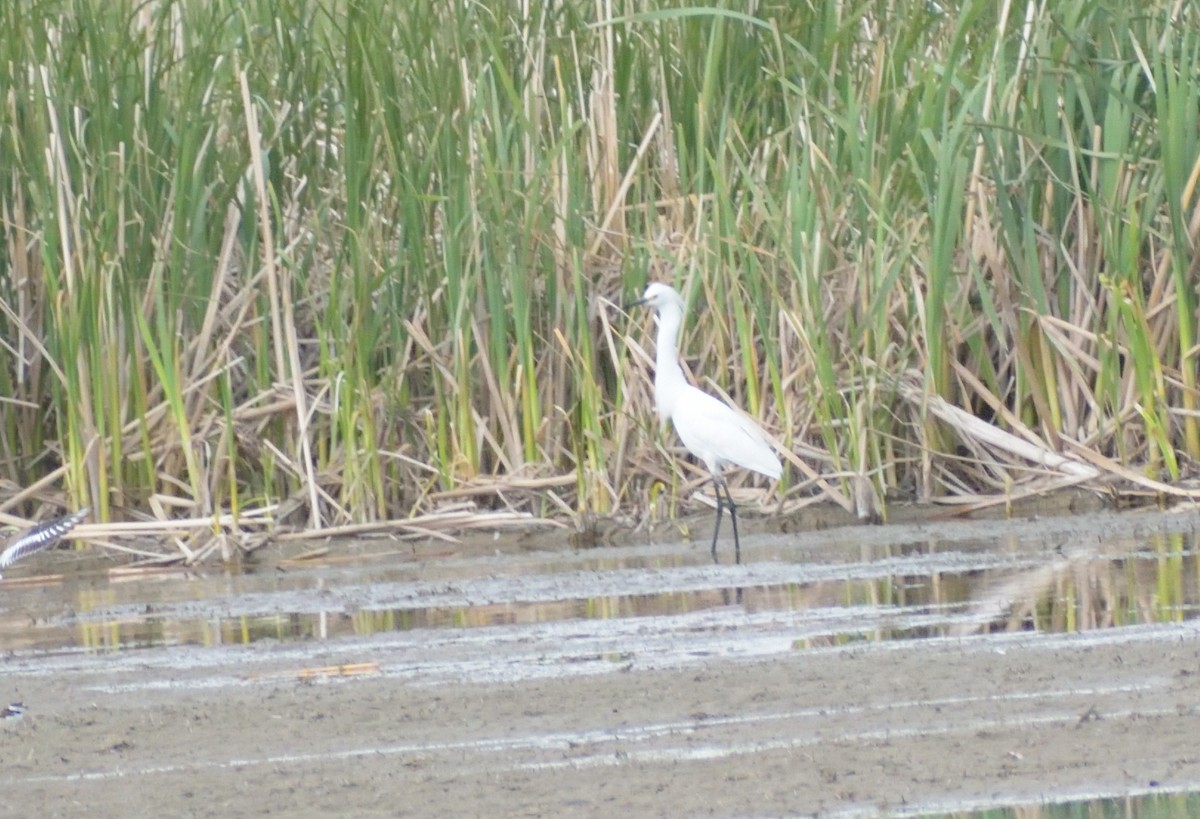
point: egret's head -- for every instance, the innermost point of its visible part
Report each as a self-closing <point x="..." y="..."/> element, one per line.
<point x="659" y="295"/>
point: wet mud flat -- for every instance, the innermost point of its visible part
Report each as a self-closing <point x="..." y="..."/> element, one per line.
<point x="730" y="706"/>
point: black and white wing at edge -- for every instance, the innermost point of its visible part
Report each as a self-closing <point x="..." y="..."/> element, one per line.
<point x="39" y="537"/>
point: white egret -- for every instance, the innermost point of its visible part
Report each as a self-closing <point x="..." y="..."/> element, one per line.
<point x="39" y="537"/>
<point x="712" y="431"/>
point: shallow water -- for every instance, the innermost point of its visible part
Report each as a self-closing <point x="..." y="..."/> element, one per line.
<point x="871" y="660"/>
<point x="872" y="583"/>
<point x="1145" y="806"/>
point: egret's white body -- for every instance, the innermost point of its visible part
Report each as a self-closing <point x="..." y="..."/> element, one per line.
<point x="712" y="431"/>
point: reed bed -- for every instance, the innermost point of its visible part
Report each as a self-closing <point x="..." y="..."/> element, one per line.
<point x="339" y="264"/>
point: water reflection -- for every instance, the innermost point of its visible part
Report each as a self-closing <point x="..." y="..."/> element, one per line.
<point x="847" y="592"/>
<point x="1083" y="589"/>
<point x="1152" y="806"/>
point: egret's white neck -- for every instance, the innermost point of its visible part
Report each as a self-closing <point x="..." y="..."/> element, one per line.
<point x="668" y="375"/>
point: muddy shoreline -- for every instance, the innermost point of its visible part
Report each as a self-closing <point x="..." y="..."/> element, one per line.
<point x="723" y="709"/>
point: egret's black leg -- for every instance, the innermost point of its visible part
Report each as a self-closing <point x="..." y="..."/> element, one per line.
<point x="718" y="483"/>
<point x="737" y="546"/>
<point x="717" y="527"/>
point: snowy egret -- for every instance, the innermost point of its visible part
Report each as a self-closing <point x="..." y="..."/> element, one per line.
<point x="715" y="433"/>
<point x="39" y="537"/>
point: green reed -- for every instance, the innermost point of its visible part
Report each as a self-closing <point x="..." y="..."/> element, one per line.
<point x="354" y="255"/>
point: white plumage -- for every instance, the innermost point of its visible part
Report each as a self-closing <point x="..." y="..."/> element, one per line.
<point x="712" y="431"/>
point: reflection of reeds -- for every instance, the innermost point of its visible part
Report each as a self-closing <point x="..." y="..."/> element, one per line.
<point x="912" y="590"/>
<point x="351" y="262"/>
<point x="1089" y="588"/>
<point x="1077" y="587"/>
